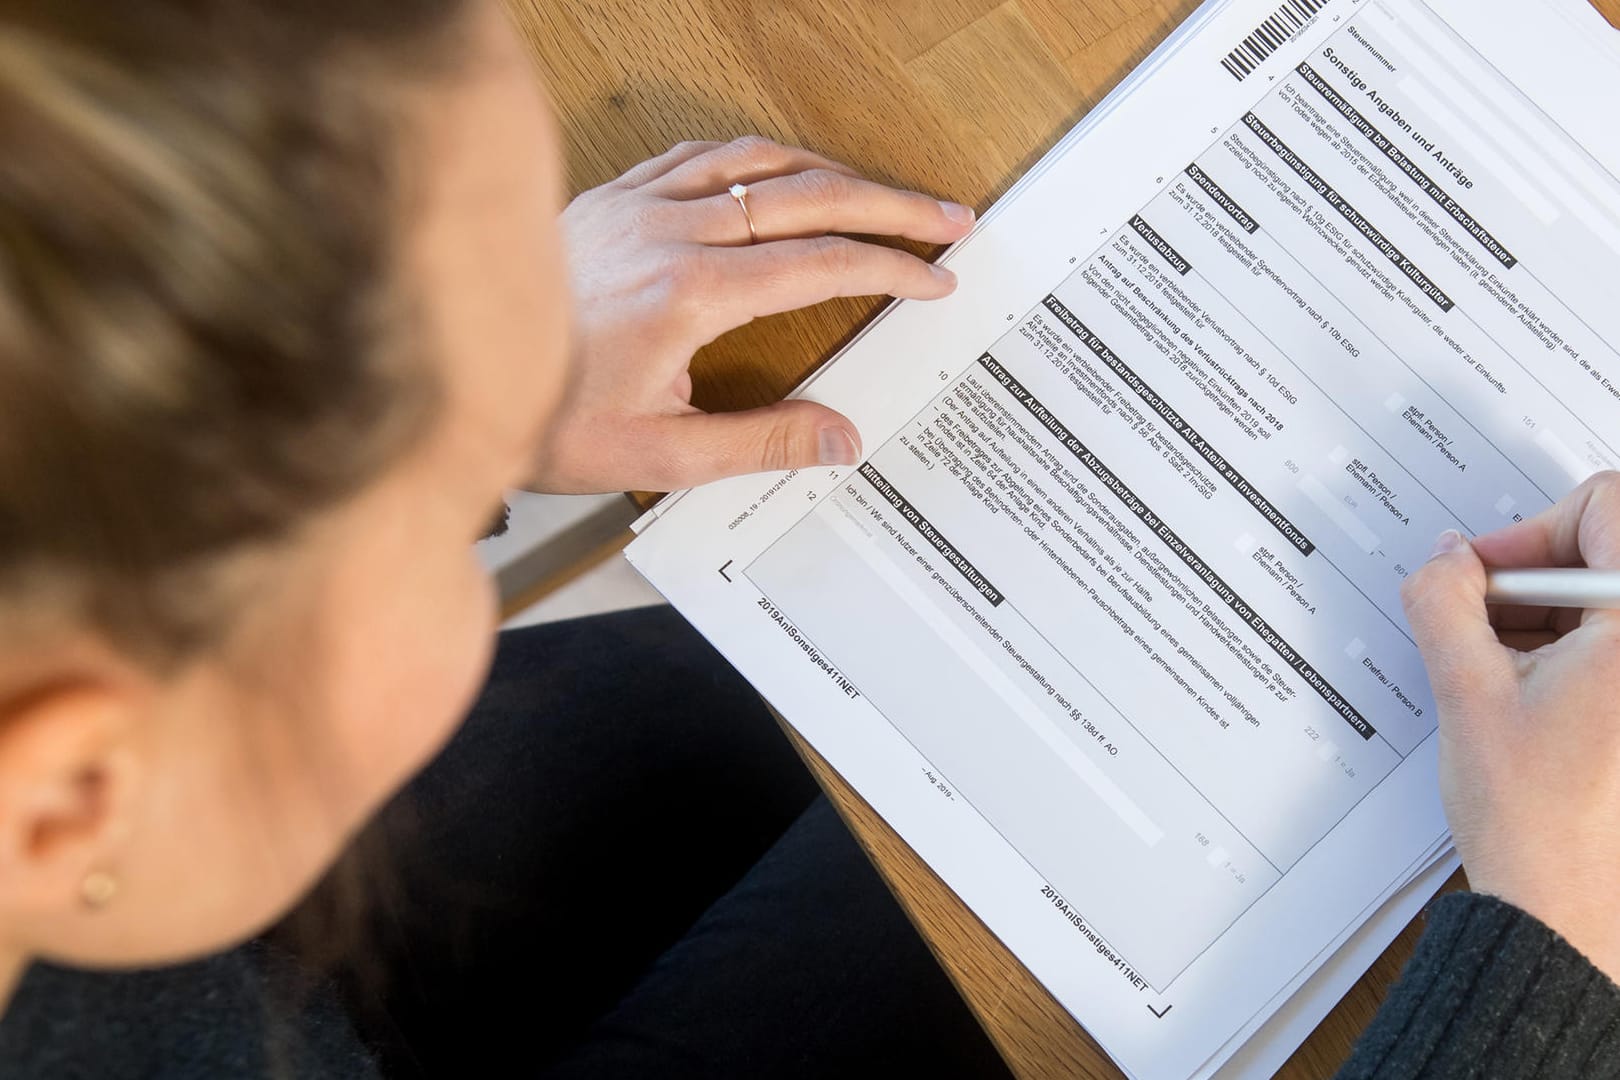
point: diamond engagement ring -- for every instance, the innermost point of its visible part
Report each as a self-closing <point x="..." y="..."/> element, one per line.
<point x="740" y="193"/>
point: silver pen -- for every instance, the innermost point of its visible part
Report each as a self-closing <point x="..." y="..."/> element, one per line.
<point x="1575" y="587"/>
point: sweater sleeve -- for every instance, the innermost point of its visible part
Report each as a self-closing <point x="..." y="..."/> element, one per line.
<point x="247" y="1014"/>
<point x="1492" y="992"/>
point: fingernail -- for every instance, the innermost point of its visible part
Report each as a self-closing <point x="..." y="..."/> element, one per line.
<point x="962" y="215"/>
<point x="943" y="274"/>
<point x="837" y="448"/>
<point x="1448" y="541"/>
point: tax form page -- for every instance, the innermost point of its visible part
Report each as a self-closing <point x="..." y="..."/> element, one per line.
<point x="1107" y="624"/>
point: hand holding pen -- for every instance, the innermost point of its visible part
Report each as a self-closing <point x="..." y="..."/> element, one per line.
<point x="1529" y="711"/>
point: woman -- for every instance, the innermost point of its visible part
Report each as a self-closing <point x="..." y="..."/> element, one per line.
<point x="283" y="310"/>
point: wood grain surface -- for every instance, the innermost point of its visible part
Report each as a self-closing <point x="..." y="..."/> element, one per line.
<point x="954" y="97"/>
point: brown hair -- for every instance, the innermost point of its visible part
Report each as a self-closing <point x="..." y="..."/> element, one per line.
<point x="201" y="343"/>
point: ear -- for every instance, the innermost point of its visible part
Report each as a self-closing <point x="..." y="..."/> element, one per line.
<point x="68" y="772"/>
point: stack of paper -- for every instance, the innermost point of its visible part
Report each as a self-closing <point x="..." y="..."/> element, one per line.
<point x="1107" y="625"/>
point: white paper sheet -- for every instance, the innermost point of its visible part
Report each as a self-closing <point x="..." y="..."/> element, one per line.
<point x="1107" y="626"/>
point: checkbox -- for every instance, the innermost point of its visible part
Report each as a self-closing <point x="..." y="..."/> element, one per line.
<point x="1340" y="456"/>
<point x="1395" y="403"/>
<point x="1246" y="544"/>
<point x="1328" y="750"/>
<point x="1217" y="857"/>
<point x="1505" y="505"/>
<point x="1356" y="649"/>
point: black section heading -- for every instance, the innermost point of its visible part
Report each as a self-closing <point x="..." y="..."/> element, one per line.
<point x="1179" y="547"/>
<point x="1158" y="243"/>
<point x="1222" y="199"/>
<point x="1201" y="446"/>
<point x="1433" y="190"/>
<point x="946" y="549"/>
<point x="1385" y="247"/>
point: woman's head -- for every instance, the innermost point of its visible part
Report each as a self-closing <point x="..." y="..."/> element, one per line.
<point x="281" y="312"/>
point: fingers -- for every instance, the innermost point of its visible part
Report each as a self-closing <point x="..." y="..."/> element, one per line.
<point x="742" y="161"/>
<point x="1445" y="605"/>
<point x="737" y="285"/>
<point x="696" y="448"/>
<point x="1581" y="529"/>
<point x="675" y="156"/>
<point x="819" y="201"/>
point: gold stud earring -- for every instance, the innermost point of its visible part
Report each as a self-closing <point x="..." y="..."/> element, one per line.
<point x="98" y="889"/>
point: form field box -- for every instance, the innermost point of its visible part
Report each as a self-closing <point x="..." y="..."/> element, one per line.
<point x="1565" y="458"/>
<point x="1341" y="515"/>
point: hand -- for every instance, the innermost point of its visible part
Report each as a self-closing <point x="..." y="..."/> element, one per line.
<point x="662" y="264"/>
<point x="1530" y="741"/>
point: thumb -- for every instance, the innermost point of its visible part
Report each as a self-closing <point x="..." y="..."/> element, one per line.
<point x="788" y="435"/>
<point x="1445" y="605"/>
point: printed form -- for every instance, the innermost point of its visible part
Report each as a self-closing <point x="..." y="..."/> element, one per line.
<point x="1107" y="624"/>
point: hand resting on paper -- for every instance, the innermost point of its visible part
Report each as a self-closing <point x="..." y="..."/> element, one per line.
<point x="1529" y="702"/>
<point x="662" y="263"/>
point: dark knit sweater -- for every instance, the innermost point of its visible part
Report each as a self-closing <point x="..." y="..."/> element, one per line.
<point x="247" y="1014"/>
<point x="1490" y="992"/>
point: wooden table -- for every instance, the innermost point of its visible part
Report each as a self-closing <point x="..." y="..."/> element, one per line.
<point x="953" y="97"/>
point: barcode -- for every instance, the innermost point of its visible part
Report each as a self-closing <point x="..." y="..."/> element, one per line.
<point x="1270" y="36"/>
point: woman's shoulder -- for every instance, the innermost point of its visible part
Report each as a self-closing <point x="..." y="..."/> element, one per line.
<point x="246" y="1013"/>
